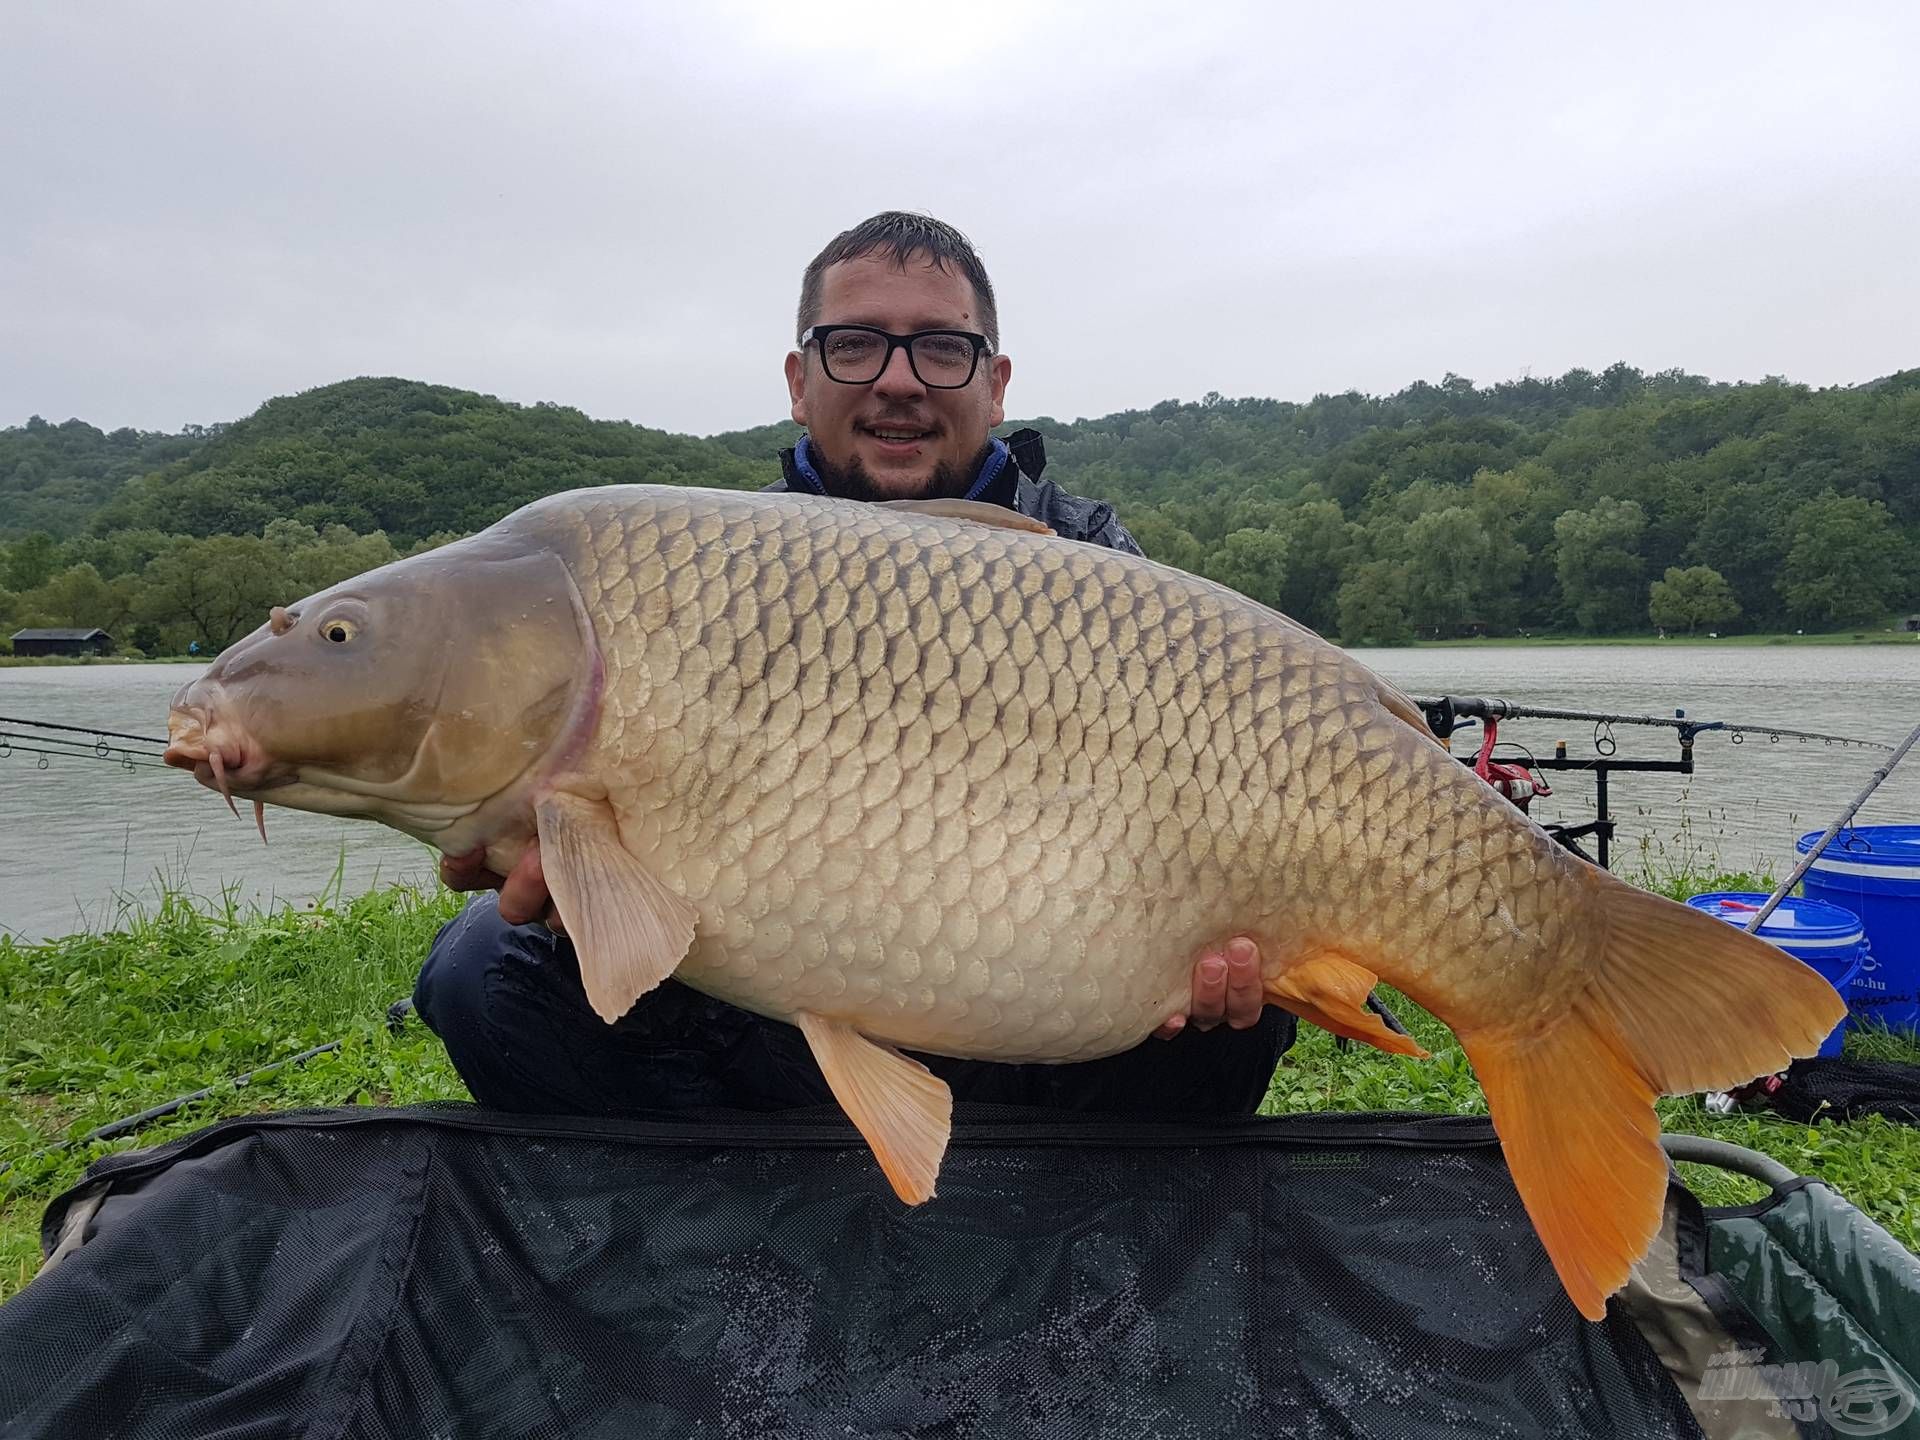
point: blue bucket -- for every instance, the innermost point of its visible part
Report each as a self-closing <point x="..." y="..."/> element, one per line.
<point x="1824" y="937"/>
<point x="1874" y="871"/>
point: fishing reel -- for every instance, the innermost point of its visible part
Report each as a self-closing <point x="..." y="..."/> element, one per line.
<point x="1517" y="783"/>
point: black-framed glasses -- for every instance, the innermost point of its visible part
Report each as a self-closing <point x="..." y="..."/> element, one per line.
<point x="860" y="354"/>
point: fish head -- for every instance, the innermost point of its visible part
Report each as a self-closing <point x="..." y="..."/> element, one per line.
<point x="420" y="694"/>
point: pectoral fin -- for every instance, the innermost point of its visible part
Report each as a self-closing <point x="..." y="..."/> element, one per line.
<point x="903" y="1108"/>
<point x="1331" y="991"/>
<point x="628" y="928"/>
<point x="978" y="511"/>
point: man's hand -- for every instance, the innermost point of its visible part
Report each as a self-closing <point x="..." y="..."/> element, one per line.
<point x="1226" y="986"/>
<point x="523" y="892"/>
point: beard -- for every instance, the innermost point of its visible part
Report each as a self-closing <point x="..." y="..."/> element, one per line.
<point x="852" y="482"/>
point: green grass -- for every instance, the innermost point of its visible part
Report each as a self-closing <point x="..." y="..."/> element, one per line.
<point x="96" y="1027"/>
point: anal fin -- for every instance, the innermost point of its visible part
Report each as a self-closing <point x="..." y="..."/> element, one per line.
<point x="629" y="930"/>
<point x="1331" y="991"/>
<point x="903" y="1109"/>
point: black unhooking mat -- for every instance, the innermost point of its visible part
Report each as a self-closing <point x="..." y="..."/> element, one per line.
<point x="451" y="1272"/>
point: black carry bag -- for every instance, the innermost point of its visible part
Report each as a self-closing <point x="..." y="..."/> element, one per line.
<point x="447" y="1271"/>
<point x="1837" y="1089"/>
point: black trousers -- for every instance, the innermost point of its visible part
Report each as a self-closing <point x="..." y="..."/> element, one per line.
<point x="508" y="1003"/>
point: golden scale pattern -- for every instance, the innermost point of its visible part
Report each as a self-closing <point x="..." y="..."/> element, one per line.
<point x="991" y="791"/>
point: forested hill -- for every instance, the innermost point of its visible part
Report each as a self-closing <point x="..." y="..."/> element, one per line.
<point x="1601" y="502"/>
<point x="406" y="458"/>
<point x="54" y="477"/>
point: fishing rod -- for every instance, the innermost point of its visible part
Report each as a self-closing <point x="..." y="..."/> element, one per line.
<point x="128" y="1124"/>
<point x="1785" y="887"/>
<point x="1452" y="706"/>
<point x="29" y="740"/>
<point x="80" y="729"/>
<point x="124" y="759"/>
<point x="1446" y="713"/>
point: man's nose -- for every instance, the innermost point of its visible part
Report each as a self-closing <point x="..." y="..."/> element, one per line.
<point x="898" y="377"/>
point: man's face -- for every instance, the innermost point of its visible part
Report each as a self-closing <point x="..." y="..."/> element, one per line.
<point x="856" y="429"/>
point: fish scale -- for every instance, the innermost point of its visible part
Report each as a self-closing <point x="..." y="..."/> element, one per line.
<point x="913" y="777"/>
<point x="1052" y="749"/>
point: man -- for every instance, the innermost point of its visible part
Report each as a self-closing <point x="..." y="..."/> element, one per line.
<point x="899" y="380"/>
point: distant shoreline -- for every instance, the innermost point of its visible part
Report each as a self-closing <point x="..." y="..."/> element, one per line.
<point x="27" y="662"/>
<point x="1862" y="637"/>
<point x="1504" y="642"/>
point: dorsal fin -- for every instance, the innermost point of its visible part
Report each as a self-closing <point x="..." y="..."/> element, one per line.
<point x="977" y="511"/>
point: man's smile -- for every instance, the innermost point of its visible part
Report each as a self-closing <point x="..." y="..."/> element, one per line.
<point x="897" y="438"/>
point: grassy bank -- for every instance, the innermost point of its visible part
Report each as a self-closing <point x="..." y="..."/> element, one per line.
<point x="94" y="1028"/>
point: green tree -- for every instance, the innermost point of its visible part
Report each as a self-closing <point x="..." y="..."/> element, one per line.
<point x="1602" y="573"/>
<point x="31" y="561"/>
<point x="1321" y="544"/>
<point x="77" y="596"/>
<point x="447" y="537"/>
<point x="1457" y="569"/>
<point x="1719" y="473"/>
<point x="213" y="590"/>
<point x="1846" y="563"/>
<point x="1698" y="595"/>
<point x="1168" y="542"/>
<point x="1744" y="533"/>
<point x="1254" y="562"/>
<point x="340" y="555"/>
<point x="1373" y="606"/>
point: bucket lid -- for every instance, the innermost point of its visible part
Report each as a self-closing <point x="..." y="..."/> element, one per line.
<point x="1888" y="849"/>
<point x="1813" y="924"/>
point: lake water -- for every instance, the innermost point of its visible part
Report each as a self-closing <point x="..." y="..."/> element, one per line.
<point x="84" y="838"/>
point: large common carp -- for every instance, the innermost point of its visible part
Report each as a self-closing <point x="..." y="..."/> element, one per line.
<point x="912" y="776"/>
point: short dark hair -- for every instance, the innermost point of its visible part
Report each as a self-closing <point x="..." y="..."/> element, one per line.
<point x="902" y="236"/>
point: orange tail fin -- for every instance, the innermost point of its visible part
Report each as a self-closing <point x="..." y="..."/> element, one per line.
<point x="1331" y="991"/>
<point x="1680" y="1002"/>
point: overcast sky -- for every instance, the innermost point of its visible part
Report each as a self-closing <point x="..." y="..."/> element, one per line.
<point x="609" y="205"/>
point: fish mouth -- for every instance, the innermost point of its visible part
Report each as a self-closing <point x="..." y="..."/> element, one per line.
<point x="226" y="760"/>
<point x="221" y="757"/>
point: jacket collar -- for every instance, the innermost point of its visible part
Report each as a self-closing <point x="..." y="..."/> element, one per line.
<point x="1021" y="455"/>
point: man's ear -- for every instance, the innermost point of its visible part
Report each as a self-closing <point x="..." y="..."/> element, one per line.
<point x="999" y="371"/>
<point x="797" y="386"/>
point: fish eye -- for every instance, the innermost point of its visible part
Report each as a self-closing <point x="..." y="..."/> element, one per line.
<point x="339" y="630"/>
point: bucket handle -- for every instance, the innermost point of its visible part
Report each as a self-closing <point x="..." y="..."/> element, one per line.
<point x="1699" y="1150"/>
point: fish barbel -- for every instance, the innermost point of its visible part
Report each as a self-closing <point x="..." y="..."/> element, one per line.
<point x="913" y="776"/>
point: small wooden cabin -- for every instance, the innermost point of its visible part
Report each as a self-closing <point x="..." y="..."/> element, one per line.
<point x="62" y="642"/>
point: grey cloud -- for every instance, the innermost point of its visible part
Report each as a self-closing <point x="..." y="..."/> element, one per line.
<point x="609" y="206"/>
